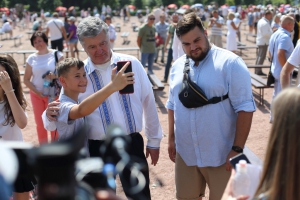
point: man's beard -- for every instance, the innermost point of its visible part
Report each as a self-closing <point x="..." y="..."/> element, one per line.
<point x="203" y="53"/>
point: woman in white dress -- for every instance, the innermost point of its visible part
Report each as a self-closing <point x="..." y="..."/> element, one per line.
<point x="231" y="43"/>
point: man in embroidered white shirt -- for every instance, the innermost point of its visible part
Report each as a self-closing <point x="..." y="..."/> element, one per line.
<point x="127" y="110"/>
<point x="264" y="32"/>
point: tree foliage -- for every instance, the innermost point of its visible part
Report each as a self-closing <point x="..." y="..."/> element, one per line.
<point x="49" y="4"/>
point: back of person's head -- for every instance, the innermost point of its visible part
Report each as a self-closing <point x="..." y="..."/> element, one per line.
<point x="12" y="69"/>
<point x="280" y="177"/>
<point x="55" y="14"/>
<point x="65" y="65"/>
<point x="287" y="22"/>
<point x="38" y="34"/>
<point x="187" y="23"/>
<point x="91" y="27"/>
<point x="230" y="15"/>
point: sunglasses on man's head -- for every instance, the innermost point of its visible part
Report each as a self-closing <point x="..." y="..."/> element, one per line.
<point x="152" y="18"/>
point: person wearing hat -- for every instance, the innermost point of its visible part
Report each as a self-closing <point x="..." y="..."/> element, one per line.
<point x="72" y="38"/>
<point x="112" y="31"/>
<point x="7" y="28"/>
<point x="37" y="25"/>
<point x="57" y="32"/>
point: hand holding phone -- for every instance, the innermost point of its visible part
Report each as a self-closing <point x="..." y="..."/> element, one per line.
<point x="235" y="160"/>
<point x="124" y="79"/>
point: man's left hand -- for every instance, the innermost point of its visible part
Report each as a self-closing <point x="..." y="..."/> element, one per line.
<point x="154" y="154"/>
<point x="230" y="155"/>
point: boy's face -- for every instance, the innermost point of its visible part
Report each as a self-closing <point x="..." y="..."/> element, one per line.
<point x="75" y="80"/>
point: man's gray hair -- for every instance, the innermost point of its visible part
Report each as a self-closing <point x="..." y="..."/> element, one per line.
<point x="91" y="27"/>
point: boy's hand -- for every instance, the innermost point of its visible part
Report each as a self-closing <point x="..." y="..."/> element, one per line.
<point x="121" y="79"/>
<point x="52" y="110"/>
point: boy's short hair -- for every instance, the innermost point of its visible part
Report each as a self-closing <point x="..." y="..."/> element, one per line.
<point x="65" y="65"/>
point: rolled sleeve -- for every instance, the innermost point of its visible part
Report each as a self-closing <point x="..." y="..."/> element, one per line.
<point x="240" y="91"/>
<point x="170" y="101"/>
<point x="48" y="125"/>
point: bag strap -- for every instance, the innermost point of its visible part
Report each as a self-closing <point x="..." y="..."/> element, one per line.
<point x="57" y="27"/>
<point x="186" y="70"/>
<point x="56" y="60"/>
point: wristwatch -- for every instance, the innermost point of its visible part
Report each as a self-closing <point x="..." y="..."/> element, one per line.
<point x="237" y="149"/>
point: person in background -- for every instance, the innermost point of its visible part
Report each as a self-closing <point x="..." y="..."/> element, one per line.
<point x="250" y="20"/>
<point x="264" y="33"/>
<point x="231" y="43"/>
<point x="146" y="42"/>
<point x="236" y="22"/>
<point x="161" y="30"/>
<point x="216" y="23"/>
<point x="169" y="41"/>
<point x="112" y="31"/>
<point x="66" y="26"/>
<point x="72" y="38"/>
<point x="281" y="44"/>
<point x="276" y="22"/>
<point x="289" y="66"/>
<point x="280" y="174"/>
<point x="7" y="28"/>
<point x="37" y="25"/>
<point x="13" y="117"/>
<point x="37" y="64"/>
<point x="57" y="32"/>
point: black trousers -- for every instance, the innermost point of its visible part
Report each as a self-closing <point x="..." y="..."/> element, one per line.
<point x="136" y="152"/>
<point x="57" y="44"/>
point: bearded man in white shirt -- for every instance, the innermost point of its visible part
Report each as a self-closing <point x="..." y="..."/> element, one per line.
<point x="264" y="32"/>
<point x="127" y="110"/>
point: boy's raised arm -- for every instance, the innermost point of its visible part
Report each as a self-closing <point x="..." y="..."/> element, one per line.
<point x="88" y="105"/>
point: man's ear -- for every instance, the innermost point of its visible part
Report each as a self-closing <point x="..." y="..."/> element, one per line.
<point x="205" y="32"/>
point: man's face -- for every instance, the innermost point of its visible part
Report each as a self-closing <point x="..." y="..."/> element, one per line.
<point x="162" y="19"/>
<point x="98" y="48"/>
<point x="151" y="20"/>
<point x="215" y="14"/>
<point x="269" y="16"/>
<point x="195" y="44"/>
<point x="175" y="18"/>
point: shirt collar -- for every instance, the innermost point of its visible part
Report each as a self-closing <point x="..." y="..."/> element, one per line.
<point x="90" y="67"/>
<point x="285" y="31"/>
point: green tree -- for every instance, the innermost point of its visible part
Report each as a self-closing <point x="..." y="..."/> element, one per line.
<point x="49" y="4"/>
<point x="230" y="2"/>
<point x="139" y="4"/>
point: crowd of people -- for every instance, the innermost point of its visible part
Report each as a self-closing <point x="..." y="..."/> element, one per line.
<point x="202" y="139"/>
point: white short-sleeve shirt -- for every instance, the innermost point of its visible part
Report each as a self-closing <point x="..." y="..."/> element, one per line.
<point x="40" y="65"/>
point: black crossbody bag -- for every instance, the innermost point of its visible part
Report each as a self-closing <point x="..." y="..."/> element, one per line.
<point x="191" y="95"/>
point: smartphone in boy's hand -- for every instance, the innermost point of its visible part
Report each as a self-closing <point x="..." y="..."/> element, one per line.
<point x="129" y="88"/>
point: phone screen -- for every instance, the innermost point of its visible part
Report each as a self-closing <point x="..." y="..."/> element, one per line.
<point x="234" y="160"/>
<point x="129" y="88"/>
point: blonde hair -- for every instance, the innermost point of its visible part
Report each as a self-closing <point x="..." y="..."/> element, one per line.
<point x="230" y="15"/>
<point x="281" y="177"/>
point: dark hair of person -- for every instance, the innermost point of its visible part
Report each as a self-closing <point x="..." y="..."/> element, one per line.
<point x="297" y="17"/>
<point x="11" y="68"/>
<point x="65" y="65"/>
<point x="187" y="23"/>
<point x="268" y="12"/>
<point x="280" y="175"/>
<point x="38" y="34"/>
